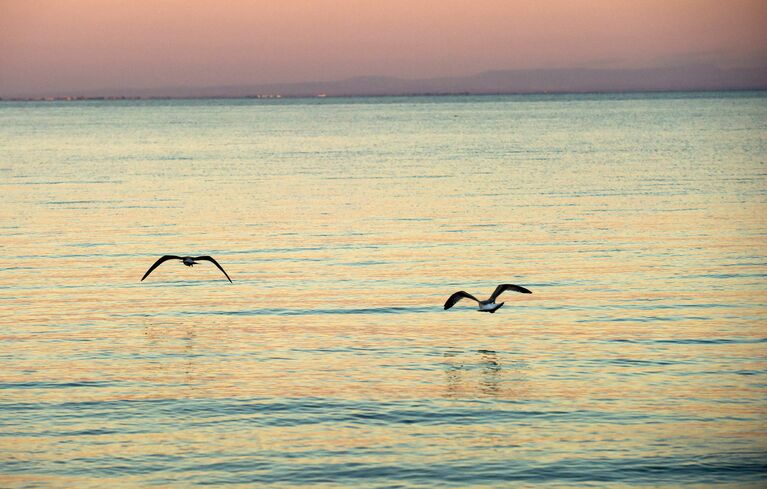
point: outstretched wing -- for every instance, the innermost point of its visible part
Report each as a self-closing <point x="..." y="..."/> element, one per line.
<point x="458" y="296"/>
<point x="504" y="287"/>
<point x="159" y="262"/>
<point x="210" y="259"/>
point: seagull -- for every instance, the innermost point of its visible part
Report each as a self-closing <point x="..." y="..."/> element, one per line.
<point x="488" y="305"/>
<point x="187" y="260"/>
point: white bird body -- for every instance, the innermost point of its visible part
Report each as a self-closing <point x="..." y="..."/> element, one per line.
<point x="489" y="306"/>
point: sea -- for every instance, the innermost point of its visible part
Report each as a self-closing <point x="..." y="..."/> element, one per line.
<point x="637" y="220"/>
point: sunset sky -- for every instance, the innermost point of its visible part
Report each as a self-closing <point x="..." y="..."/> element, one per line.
<point x="59" y="45"/>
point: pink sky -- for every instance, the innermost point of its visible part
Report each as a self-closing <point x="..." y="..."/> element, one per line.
<point x="55" y="45"/>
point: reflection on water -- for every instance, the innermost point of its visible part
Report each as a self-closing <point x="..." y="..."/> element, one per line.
<point x="482" y="374"/>
<point x="638" y="221"/>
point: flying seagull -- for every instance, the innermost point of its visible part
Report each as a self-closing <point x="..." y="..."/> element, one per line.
<point x="488" y="305"/>
<point x="187" y="260"/>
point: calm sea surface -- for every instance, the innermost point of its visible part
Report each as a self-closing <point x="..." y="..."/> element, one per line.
<point x="638" y="221"/>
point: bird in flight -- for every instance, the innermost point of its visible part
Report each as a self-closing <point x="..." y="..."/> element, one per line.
<point x="487" y="305"/>
<point x="187" y="260"/>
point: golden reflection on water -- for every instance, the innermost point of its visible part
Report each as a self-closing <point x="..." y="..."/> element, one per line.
<point x="645" y="329"/>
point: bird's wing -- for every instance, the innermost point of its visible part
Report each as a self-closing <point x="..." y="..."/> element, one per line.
<point x="210" y="259"/>
<point x="504" y="287"/>
<point x="159" y="262"/>
<point x="458" y="296"/>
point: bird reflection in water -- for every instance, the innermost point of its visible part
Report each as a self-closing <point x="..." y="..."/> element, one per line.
<point x="490" y="379"/>
<point x="172" y="347"/>
<point x="461" y="375"/>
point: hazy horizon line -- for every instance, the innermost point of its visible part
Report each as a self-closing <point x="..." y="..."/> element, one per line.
<point x="117" y="98"/>
<point x="696" y="77"/>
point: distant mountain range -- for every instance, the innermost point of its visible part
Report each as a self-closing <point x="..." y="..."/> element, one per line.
<point x="690" y="77"/>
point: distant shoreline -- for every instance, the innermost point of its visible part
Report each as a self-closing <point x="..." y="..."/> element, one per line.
<point x="371" y="95"/>
<point x="683" y="78"/>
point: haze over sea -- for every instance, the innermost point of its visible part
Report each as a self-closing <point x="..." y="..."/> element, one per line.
<point x="637" y="220"/>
